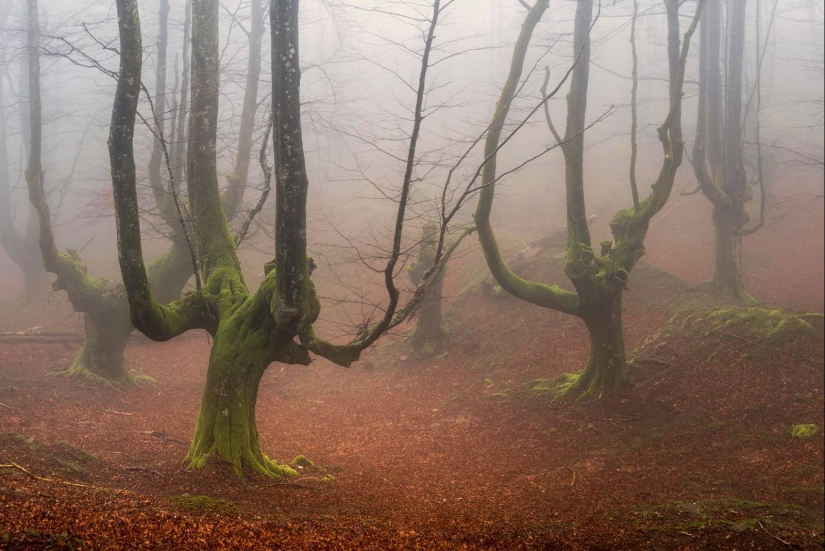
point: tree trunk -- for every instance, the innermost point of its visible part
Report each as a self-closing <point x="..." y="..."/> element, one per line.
<point x="36" y="286"/>
<point x="101" y="358"/>
<point x="607" y="368"/>
<point x="430" y="332"/>
<point x="226" y="422"/>
<point x="727" y="279"/>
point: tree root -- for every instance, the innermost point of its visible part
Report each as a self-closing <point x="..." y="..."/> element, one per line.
<point x="129" y="379"/>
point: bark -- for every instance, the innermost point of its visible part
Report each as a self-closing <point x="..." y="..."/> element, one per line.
<point x="606" y="370"/>
<point x="293" y="302"/>
<point x="430" y="333"/>
<point x="156" y="180"/>
<point x="215" y="245"/>
<point x="727" y="277"/>
<point x="233" y="197"/>
<point x="178" y="150"/>
<point x="719" y="147"/>
<point x="245" y="344"/>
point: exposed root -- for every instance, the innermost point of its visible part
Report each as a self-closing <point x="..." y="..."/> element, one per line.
<point x="246" y="463"/>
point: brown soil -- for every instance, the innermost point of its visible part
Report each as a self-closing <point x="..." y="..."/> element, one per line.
<point x="448" y="453"/>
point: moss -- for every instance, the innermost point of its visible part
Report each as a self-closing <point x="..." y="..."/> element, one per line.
<point x="328" y="479"/>
<point x="804" y="431"/>
<point x="302" y="462"/>
<point x="714" y="328"/>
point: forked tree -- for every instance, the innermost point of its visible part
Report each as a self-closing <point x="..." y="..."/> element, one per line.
<point x="600" y="277"/>
<point x="103" y="304"/>
<point x="718" y="151"/>
<point x="250" y="330"/>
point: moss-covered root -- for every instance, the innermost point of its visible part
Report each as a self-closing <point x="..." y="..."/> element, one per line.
<point x="595" y="379"/>
<point x="606" y="371"/>
<point x="226" y="422"/>
<point x="101" y="360"/>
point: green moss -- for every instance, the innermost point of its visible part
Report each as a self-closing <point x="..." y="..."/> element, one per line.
<point x="302" y="462"/>
<point x="803" y="431"/>
<point x="328" y="479"/>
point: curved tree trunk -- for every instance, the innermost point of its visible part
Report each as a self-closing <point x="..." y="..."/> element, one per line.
<point x="599" y="278"/>
<point x="107" y="324"/>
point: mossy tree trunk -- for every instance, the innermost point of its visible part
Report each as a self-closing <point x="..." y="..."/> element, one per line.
<point x="606" y="370"/>
<point x="105" y="308"/>
<point x="599" y="278"/>
<point x="250" y="331"/>
<point x="101" y="360"/>
<point x="245" y="345"/>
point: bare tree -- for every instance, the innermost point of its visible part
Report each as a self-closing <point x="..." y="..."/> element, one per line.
<point x="22" y="248"/>
<point x="599" y="278"/>
<point x="430" y="333"/>
<point x="718" y="151"/>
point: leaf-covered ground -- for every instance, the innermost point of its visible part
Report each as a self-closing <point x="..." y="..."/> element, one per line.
<point x="446" y="453"/>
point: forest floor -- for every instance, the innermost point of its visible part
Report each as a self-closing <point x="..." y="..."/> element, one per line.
<point x="451" y="452"/>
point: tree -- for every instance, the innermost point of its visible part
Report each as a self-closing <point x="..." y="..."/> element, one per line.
<point x="599" y="278"/>
<point x="104" y="304"/>
<point x="718" y="151"/>
<point x="250" y="329"/>
<point x="22" y="249"/>
<point x="430" y="333"/>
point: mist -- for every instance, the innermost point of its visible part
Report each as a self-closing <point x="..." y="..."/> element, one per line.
<point x="426" y="274"/>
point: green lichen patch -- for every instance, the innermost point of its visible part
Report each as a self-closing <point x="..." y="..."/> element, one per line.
<point x="804" y="431"/>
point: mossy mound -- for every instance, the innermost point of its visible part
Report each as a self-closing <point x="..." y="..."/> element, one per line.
<point x="710" y="326"/>
<point x="302" y="461"/>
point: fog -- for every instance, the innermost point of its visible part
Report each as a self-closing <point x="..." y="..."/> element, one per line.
<point x="485" y="405"/>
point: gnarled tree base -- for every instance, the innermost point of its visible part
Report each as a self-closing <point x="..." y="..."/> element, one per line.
<point x="606" y="371"/>
<point x="101" y="360"/>
<point x="591" y="382"/>
<point x="242" y="350"/>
